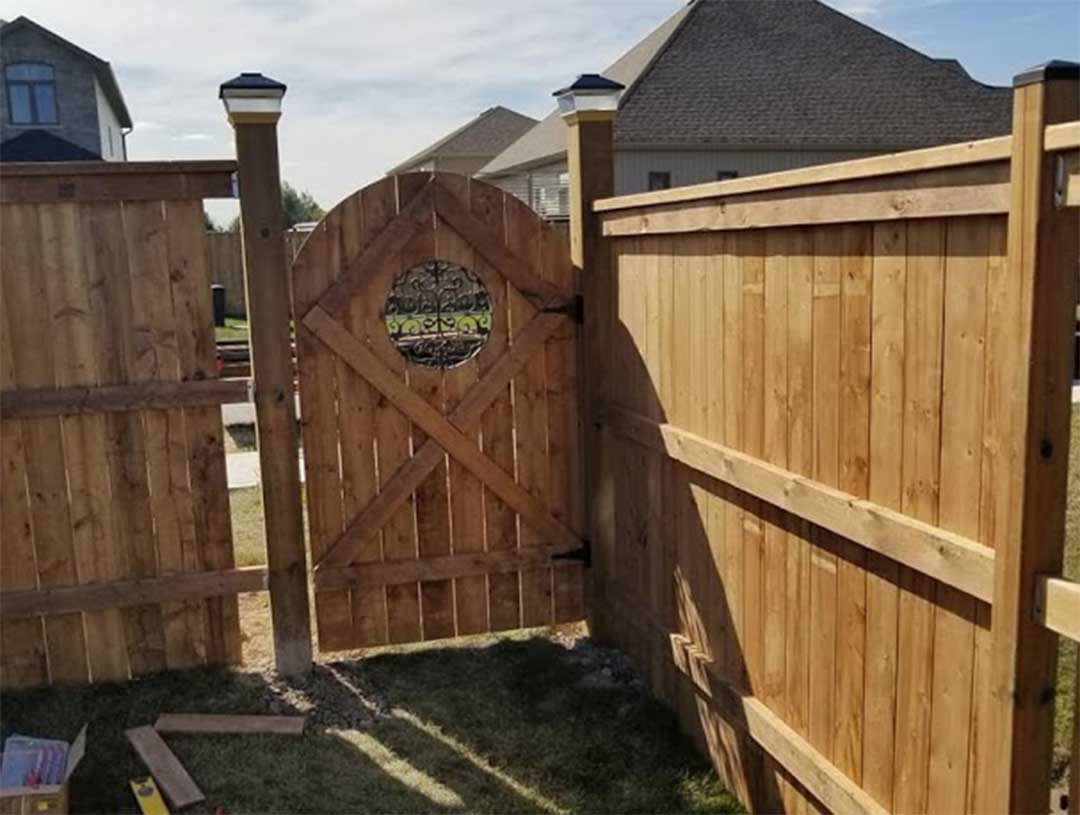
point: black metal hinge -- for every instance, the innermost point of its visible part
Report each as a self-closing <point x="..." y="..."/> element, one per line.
<point x="574" y="308"/>
<point x="583" y="553"/>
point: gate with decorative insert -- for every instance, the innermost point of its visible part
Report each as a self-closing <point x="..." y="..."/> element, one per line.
<point x="437" y="356"/>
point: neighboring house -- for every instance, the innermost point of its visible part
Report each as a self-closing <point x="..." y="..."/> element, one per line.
<point x="472" y="145"/>
<point x="60" y="103"/>
<point x="728" y="88"/>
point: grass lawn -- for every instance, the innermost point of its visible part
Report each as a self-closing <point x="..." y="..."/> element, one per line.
<point x="235" y="328"/>
<point x="513" y="724"/>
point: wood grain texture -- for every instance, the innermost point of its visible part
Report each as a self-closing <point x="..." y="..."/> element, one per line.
<point x="176" y="784"/>
<point x="233" y="725"/>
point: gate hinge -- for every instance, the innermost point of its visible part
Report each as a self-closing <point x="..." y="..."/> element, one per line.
<point x="574" y="308"/>
<point x="583" y="553"/>
<point x="1061" y="181"/>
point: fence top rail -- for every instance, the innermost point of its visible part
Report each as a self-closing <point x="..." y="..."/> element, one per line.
<point x="1058" y="137"/>
<point x="82" y="168"/>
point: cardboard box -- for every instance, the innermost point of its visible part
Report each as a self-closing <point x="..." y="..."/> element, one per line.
<point x="45" y="799"/>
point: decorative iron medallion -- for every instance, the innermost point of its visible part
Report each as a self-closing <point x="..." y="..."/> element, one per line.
<point x="438" y="314"/>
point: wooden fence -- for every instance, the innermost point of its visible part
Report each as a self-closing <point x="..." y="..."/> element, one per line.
<point x="835" y="418"/>
<point x="226" y="260"/>
<point x="117" y="556"/>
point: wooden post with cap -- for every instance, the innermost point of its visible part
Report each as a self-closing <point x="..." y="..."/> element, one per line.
<point x="253" y="104"/>
<point x="589" y="107"/>
<point x="1027" y="450"/>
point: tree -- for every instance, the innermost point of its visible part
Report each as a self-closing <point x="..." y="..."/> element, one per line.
<point x="297" y="207"/>
<point x="211" y="225"/>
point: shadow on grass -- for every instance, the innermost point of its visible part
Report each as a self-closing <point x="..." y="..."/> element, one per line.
<point x="522" y="725"/>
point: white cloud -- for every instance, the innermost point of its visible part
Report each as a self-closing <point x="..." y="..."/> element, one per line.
<point x="370" y="81"/>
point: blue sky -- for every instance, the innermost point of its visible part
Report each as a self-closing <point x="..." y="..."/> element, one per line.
<point x="373" y="81"/>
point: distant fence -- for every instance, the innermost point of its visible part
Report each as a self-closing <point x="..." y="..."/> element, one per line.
<point x="835" y="412"/>
<point x="226" y="261"/>
<point x="115" y="531"/>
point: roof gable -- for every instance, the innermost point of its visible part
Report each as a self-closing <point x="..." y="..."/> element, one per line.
<point x="486" y="135"/>
<point x="41" y="145"/>
<point x="102" y="69"/>
<point x="782" y="74"/>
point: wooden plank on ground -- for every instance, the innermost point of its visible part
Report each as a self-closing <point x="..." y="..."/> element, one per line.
<point x="218" y="723"/>
<point x="171" y="776"/>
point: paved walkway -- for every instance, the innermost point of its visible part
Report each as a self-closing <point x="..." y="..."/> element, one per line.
<point x="243" y="469"/>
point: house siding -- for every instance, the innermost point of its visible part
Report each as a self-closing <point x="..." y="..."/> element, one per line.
<point x="76" y="96"/>
<point x="107" y="120"/>
<point x="544" y="187"/>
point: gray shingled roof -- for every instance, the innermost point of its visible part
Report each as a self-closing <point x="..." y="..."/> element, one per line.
<point x="787" y="74"/>
<point x="486" y="135"/>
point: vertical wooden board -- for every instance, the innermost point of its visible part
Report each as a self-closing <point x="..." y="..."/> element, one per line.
<point x="775" y="441"/>
<point x="22" y="643"/>
<point x="523" y="230"/>
<point x="752" y="252"/>
<point x="718" y="616"/>
<point x="734" y="657"/>
<point x="125" y="438"/>
<point x="855" y="314"/>
<point x="800" y="459"/>
<point x="206" y="471"/>
<point x="356" y="433"/>
<point x="432" y="500"/>
<point x="886" y="456"/>
<point x="826" y="432"/>
<point x="70" y="282"/>
<point x="963" y="377"/>
<point x="33" y="358"/>
<point x="924" y="312"/>
<point x="981" y="757"/>
<point x="497" y="436"/>
<point x="392" y="429"/>
<point x="156" y="359"/>
<point x="566" y="489"/>
<point x="466" y="491"/>
<point x="656" y="317"/>
<point x="312" y="273"/>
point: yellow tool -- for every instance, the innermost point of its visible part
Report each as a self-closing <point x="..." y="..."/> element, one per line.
<point x="148" y="796"/>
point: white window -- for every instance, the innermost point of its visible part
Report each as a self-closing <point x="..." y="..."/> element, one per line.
<point x="31" y="93"/>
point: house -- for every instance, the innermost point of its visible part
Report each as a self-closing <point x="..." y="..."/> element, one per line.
<point x="728" y="88"/>
<point x="472" y="145"/>
<point x="60" y="103"/>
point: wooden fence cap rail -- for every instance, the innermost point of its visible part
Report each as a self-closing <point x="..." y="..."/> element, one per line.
<point x="70" y="168"/>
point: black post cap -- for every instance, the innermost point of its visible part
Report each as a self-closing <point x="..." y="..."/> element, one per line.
<point x="251" y="81"/>
<point x="591" y="82"/>
<point x="1054" y="69"/>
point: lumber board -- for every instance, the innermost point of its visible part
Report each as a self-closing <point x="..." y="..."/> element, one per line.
<point x="979" y="190"/>
<point x="152" y="395"/>
<point x="229" y="724"/>
<point x="445" y="567"/>
<point x="67" y="183"/>
<point x="806" y="764"/>
<point x="1057" y="605"/>
<point x="171" y="776"/>
<point x="945" y="556"/>
<point x="1061" y="136"/>
<point x="132" y="593"/>
<point x="932" y="158"/>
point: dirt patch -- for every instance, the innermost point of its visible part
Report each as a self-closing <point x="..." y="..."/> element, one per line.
<point x="334" y="696"/>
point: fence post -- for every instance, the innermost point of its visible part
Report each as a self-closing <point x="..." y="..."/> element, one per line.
<point x="589" y="108"/>
<point x="253" y="103"/>
<point x="1032" y="355"/>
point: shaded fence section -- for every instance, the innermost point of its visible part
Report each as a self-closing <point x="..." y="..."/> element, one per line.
<point x="225" y="257"/>
<point x="116" y="550"/>
<point x="835" y="399"/>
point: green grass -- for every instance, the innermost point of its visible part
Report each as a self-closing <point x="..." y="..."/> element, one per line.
<point x="508" y="725"/>
<point x="1065" y="703"/>
<point x="247" y="519"/>
<point x="235" y="328"/>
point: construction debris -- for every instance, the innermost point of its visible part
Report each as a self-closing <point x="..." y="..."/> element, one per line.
<point x="172" y="778"/>
<point x="210" y="723"/>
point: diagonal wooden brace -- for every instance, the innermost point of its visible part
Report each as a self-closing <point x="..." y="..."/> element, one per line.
<point x="415" y="215"/>
<point x="443" y="432"/>
<point x="488" y="243"/>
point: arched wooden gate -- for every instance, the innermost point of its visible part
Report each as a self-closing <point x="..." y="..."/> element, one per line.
<point x="437" y="357"/>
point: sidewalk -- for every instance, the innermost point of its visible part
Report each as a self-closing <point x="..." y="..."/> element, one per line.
<point x="243" y="469"/>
